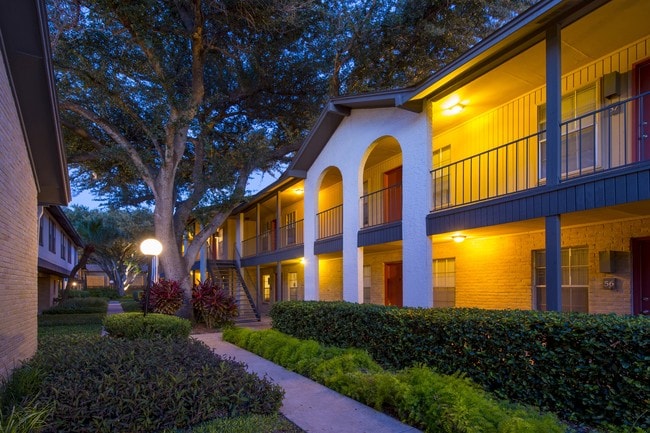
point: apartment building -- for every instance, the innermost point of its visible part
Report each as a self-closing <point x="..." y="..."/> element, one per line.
<point x="33" y="172"/>
<point x="518" y="177"/>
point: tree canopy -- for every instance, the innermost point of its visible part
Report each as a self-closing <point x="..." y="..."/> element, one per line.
<point x="174" y="103"/>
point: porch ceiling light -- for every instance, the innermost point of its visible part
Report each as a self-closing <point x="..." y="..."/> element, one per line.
<point x="458" y="238"/>
<point x="454" y="109"/>
<point x="299" y="191"/>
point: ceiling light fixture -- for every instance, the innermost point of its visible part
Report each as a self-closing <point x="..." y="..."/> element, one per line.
<point x="458" y="238"/>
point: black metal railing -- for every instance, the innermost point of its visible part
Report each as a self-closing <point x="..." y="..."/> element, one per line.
<point x="383" y="206"/>
<point x="291" y="234"/>
<point x="288" y="236"/>
<point x="330" y="222"/>
<point x="610" y="137"/>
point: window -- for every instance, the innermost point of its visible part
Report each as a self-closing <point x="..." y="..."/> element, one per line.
<point x="290" y="223"/>
<point x="69" y="252"/>
<point x="366" y="215"/>
<point x="40" y="231"/>
<point x="367" y="284"/>
<point x="575" y="279"/>
<point x="266" y="288"/>
<point x="292" y="282"/>
<point x="51" y="235"/>
<point x="578" y="129"/>
<point x="63" y="246"/>
<point x="444" y="282"/>
<point x="441" y="160"/>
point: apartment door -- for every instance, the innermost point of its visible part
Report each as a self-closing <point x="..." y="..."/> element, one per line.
<point x="393" y="284"/>
<point x="393" y="195"/>
<point x="642" y="85"/>
<point x="641" y="276"/>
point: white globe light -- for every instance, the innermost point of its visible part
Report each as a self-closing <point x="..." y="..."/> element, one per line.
<point x="151" y="247"/>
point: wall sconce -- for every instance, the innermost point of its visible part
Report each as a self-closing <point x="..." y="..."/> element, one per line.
<point x="458" y="238"/>
<point x="302" y="261"/>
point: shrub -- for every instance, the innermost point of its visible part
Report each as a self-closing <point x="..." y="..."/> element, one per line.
<point x="104" y="292"/>
<point x="588" y="368"/>
<point x="153" y="325"/>
<point x="78" y="294"/>
<point x="165" y="297"/>
<point x="79" y="306"/>
<point x="25" y="419"/>
<point x="417" y="395"/>
<point x="117" y="385"/>
<point x="213" y="305"/>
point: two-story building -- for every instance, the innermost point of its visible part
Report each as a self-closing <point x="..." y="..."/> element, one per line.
<point x="33" y="171"/>
<point x="516" y="177"/>
<point x="58" y="249"/>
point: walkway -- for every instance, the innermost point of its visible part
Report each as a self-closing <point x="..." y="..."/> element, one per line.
<point x="311" y="406"/>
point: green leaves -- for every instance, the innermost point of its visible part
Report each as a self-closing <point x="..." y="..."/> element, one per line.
<point x="585" y="367"/>
<point x="136" y="325"/>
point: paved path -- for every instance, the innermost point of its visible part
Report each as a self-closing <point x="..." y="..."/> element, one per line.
<point x="311" y="406"/>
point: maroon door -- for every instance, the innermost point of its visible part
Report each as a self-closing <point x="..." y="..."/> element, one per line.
<point x="641" y="276"/>
<point x="393" y="195"/>
<point x="642" y="132"/>
<point x="393" y="284"/>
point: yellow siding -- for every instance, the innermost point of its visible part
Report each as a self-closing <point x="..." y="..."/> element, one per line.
<point x="375" y="174"/>
<point x="330" y="197"/>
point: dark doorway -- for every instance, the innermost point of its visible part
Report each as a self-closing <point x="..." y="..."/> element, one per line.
<point x="393" y="284"/>
<point x="641" y="276"/>
<point x="393" y="195"/>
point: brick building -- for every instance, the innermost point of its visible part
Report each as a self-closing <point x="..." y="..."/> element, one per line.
<point x="32" y="170"/>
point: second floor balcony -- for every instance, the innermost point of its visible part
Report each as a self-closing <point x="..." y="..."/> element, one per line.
<point x="383" y="206"/>
<point x="602" y="139"/>
<point x="286" y="236"/>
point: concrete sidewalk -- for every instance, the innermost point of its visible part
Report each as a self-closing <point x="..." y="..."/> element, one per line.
<point x="311" y="406"/>
<point x="114" y="307"/>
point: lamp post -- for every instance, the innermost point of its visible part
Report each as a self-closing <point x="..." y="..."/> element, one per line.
<point x="150" y="247"/>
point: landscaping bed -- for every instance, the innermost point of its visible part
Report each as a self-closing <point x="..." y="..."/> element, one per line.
<point x="589" y="369"/>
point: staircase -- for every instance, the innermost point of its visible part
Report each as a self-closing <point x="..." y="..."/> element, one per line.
<point x="226" y="273"/>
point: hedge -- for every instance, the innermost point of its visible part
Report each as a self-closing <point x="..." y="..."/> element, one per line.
<point x="79" y="306"/>
<point x="418" y="396"/>
<point x="136" y="325"/>
<point x="587" y="368"/>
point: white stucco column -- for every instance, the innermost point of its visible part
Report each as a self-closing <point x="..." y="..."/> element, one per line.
<point x="352" y="255"/>
<point x="309" y="232"/>
<point x="417" y="263"/>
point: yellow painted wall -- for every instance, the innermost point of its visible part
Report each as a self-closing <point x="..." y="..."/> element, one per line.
<point x="375" y="175"/>
<point x="330" y="197"/>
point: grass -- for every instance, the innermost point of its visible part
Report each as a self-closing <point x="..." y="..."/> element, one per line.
<point x="54" y="326"/>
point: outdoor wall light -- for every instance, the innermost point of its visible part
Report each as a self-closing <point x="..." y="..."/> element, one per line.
<point x="458" y="238"/>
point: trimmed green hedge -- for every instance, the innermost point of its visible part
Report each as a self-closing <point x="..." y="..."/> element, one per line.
<point x="104" y="292"/>
<point x="79" y="306"/>
<point x="587" y="368"/>
<point x="153" y="325"/>
<point x="417" y="395"/>
<point x="95" y="385"/>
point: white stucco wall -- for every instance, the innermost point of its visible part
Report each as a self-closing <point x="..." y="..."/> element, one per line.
<point x="347" y="150"/>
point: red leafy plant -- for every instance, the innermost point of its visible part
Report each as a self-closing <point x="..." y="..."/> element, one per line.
<point x="165" y="297"/>
<point x="213" y="305"/>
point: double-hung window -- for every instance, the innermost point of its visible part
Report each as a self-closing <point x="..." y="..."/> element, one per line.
<point x="51" y="235"/>
<point x="575" y="279"/>
<point x="444" y="282"/>
<point x="578" y="142"/>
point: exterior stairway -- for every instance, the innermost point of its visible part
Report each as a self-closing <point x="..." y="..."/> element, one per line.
<point x="226" y="273"/>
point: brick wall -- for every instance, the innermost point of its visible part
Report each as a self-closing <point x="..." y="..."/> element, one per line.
<point x="496" y="272"/>
<point x="18" y="238"/>
<point x="376" y="262"/>
<point x="330" y="279"/>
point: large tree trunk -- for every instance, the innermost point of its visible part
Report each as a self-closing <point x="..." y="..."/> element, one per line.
<point x="88" y="250"/>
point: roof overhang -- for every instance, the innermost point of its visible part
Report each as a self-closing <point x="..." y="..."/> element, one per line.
<point x="515" y="37"/>
<point x="26" y="49"/>
<point x="335" y="111"/>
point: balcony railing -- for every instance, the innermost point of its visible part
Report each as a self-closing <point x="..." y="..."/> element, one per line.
<point x="383" y="206"/>
<point x="289" y="235"/>
<point x="330" y="222"/>
<point x="600" y="140"/>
